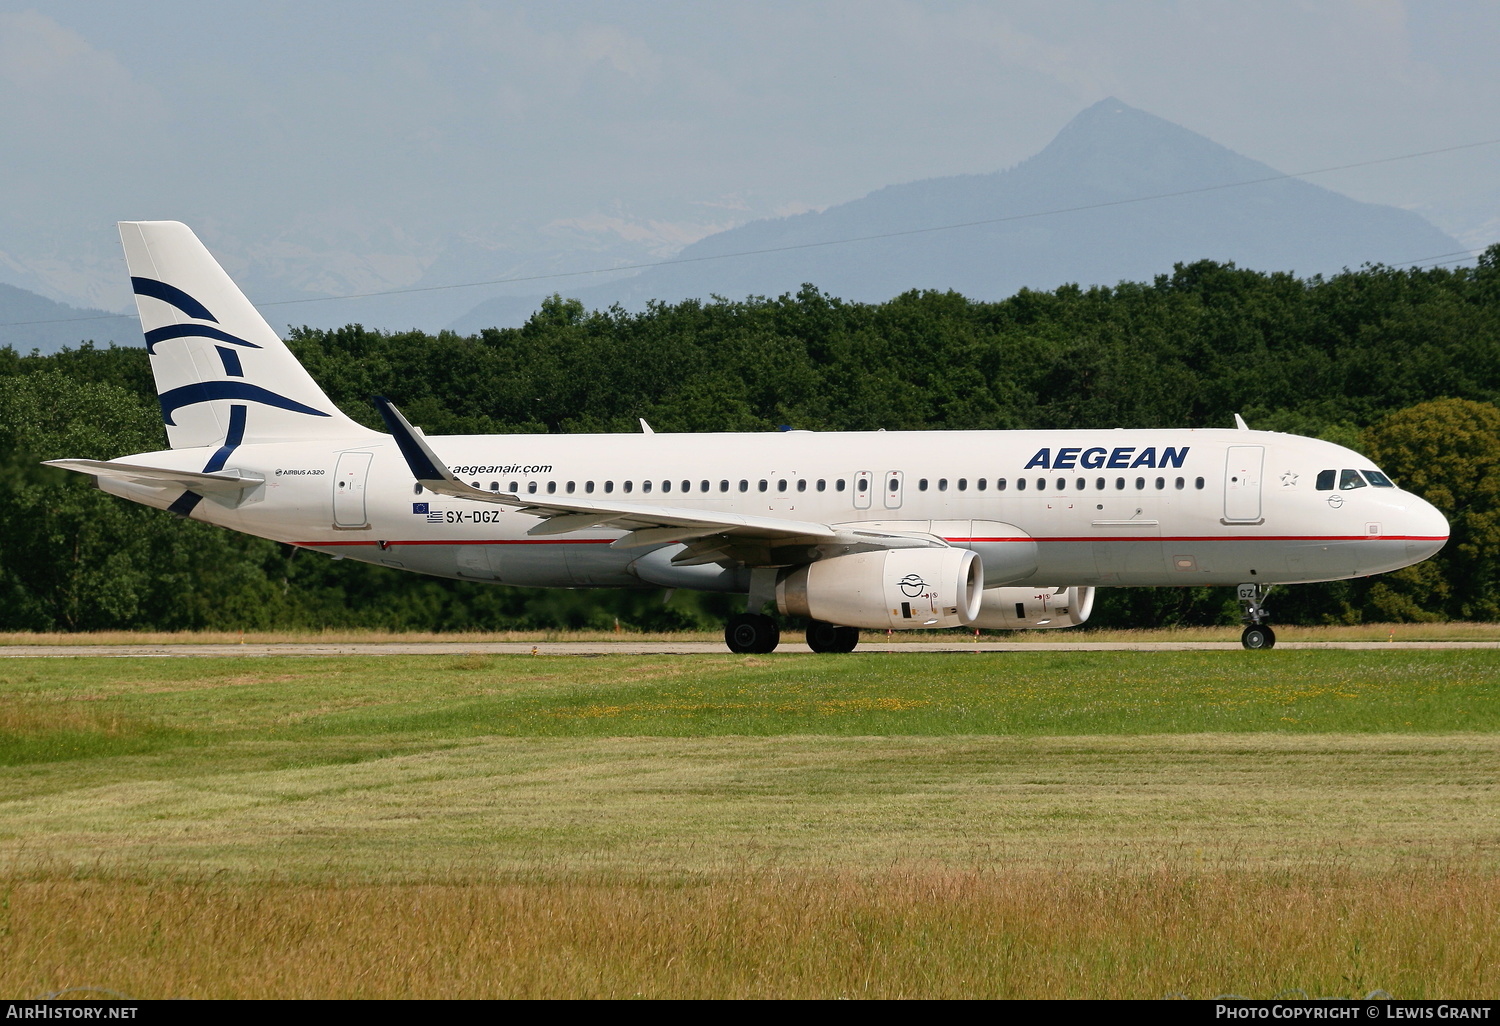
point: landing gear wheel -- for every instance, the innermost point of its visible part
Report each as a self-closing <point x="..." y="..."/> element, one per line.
<point x="825" y="637"/>
<point x="1258" y="636"/>
<point x="752" y="633"/>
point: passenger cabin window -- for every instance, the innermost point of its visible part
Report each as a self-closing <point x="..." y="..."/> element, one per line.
<point x="588" y="486"/>
<point x="645" y="486"/>
<point x="687" y="486"/>
<point x="570" y="487"/>
<point x="628" y="485"/>
<point x="723" y="486"/>
<point x="531" y="487"/>
<point x="1062" y="484"/>
<point x="982" y="483"/>
<point x="763" y="485"/>
<point x="1041" y="484"/>
<point x="703" y="485"/>
<point x="922" y="485"/>
<point x="999" y="484"/>
<point x="863" y="485"/>
<point x="802" y="484"/>
<point x="744" y="486"/>
<point x="963" y="484"/>
<point x="609" y="486"/>
<point x="781" y="485"/>
<point x="1020" y="484"/>
<point x="495" y="486"/>
<point x="514" y="487"/>
<point x="942" y="484"/>
<point x="1350" y="480"/>
<point x="838" y="485"/>
<point x="666" y="486"/>
<point x="822" y="485"/>
<point x="1198" y="484"/>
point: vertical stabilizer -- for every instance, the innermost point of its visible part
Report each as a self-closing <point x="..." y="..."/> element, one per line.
<point x="223" y="376"/>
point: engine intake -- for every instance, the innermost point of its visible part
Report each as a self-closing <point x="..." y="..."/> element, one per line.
<point x="1030" y="608"/>
<point x="903" y="589"/>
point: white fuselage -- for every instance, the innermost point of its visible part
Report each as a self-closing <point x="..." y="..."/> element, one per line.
<point x="1106" y="508"/>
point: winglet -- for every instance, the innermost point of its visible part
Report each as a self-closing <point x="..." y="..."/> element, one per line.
<point x="424" y="463"/>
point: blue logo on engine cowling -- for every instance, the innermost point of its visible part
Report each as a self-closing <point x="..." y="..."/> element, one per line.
<point x="1097" y="457"/>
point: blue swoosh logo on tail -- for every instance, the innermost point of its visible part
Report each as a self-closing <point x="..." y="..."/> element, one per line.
<point x="207" y="391"/>
<point x="172" y="331"/>
<point x="172" y="294"/>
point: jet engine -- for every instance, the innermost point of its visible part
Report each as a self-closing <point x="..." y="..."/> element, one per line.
<point x="892" y="588"/>
<point x="1026" y="608"/>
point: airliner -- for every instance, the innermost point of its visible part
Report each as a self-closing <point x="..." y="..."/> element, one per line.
<point x="844" y="530"/>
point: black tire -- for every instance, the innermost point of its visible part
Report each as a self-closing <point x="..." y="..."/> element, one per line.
<point x="1258" y="636"/>
<point x="826" y="637"/>
<point x="752" y="633"/>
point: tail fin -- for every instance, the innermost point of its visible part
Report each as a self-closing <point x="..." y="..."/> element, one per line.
<point x="223" y="376"/>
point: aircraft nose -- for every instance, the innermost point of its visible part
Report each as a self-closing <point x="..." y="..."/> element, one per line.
<point x="1426" y="529"/>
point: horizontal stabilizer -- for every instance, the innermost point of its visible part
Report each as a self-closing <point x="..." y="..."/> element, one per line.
<point x="228" y="484"/>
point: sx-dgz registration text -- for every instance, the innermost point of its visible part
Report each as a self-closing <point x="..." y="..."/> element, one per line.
<point x="477" y="516"/>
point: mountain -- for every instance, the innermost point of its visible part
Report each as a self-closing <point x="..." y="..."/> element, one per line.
<point x="1072" y="213"/>
<point x="29" y="321"/>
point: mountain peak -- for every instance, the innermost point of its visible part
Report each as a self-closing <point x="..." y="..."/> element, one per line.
<point x="1118" y="194"/>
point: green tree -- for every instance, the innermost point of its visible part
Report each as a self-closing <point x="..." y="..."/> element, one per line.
<point x="1448" y="452"/>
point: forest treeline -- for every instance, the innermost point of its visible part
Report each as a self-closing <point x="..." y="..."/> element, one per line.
<point x="1402" y="364"/>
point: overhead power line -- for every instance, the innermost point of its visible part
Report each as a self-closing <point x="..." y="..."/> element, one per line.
<point x="849" y="240"/>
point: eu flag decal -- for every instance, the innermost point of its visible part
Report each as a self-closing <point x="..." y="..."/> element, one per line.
<point x="419" y="507"/>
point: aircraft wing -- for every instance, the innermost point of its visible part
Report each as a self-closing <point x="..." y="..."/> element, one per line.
<point x="228" y="484"/>
<point x="712" y="536"/>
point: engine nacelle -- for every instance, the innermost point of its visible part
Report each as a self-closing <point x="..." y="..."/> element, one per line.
<point x="1030" y="608"/>
<point x="902" y="589"/>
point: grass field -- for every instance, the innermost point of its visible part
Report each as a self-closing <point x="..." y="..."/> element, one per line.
<point x="1025" y="824"/>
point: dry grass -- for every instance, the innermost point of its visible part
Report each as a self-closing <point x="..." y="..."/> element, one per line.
<point x="722" y="807"/>
<point x="907" y="931"/>
<point x="1455" y="631"/>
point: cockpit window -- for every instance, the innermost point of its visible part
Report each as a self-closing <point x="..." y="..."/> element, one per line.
<point x="1325" y="480"/>
<point x="1350" y="480"/>
<point x="1378" y="479"/>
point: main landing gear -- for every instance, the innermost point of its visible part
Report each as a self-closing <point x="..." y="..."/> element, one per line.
<point x="756" y="634"/>
<point x="826" y="637"/>
<point x="752" y="633"/>
<point x="1258" y="634"/>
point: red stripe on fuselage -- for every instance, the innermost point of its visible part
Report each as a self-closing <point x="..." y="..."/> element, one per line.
<point x="969" y="541"/>
<point x="1218" y="538"/>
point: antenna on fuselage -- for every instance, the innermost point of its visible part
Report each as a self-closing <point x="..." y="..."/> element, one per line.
<point x="1239" y="423"/>
<point x="645" y="428"/>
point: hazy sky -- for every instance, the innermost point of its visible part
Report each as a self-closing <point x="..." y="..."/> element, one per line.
<point x="328" y="147"/>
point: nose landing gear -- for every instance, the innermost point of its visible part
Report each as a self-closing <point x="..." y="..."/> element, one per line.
<point x="1258" y="634"/>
